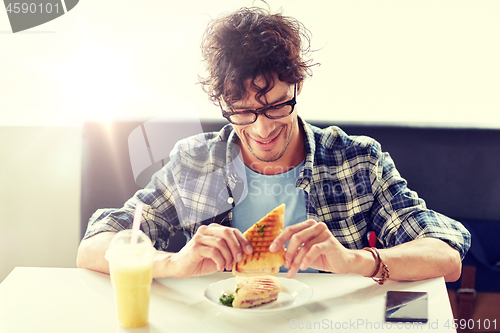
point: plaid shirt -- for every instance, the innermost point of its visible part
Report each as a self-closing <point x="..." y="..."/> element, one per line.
<point x="349" y="184"/>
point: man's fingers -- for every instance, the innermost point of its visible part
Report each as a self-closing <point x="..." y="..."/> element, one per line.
<point x="287" y="234"/>
<point x="307" y="253"/>
<point x="305" y="247"/>
<point x="236" y="242"/>
<point x="207" y="245"/>
<point x="210" y="252"/>
<point x="244" y="243"/>
<point x="303" y="238"/>
<point x="229" y="241"/>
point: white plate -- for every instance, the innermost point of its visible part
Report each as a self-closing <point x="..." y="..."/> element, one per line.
<point x="293" y="293"/>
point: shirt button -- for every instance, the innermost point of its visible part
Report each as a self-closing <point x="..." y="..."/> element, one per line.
<point x="230" y="200"/>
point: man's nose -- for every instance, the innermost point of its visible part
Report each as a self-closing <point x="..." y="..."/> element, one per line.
<point x="263" y="126"/>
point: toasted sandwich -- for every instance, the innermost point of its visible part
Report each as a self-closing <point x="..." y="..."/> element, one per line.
<point x="255" y="291"/>
<point x="260" y="236"/>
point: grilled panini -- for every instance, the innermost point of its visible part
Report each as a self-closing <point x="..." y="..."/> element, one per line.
<point x="260" y="236"/>
<point x="255" y="291"/>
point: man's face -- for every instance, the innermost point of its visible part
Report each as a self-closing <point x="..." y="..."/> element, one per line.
<point x="268" y="140"/>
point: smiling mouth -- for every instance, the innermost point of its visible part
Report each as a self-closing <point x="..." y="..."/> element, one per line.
<point x="266" y="141"/>
<point x="269" y="141"/>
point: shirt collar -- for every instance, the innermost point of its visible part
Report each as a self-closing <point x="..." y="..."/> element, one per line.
<point x="235" y="167"/>
<point x="307" y="171"/>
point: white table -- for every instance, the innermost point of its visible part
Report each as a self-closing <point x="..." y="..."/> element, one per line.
<point x="77" y="300"/>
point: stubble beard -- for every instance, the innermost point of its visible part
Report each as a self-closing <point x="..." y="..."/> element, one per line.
<point x="288" y="138"/>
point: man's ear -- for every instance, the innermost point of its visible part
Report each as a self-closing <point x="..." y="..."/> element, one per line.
<point x="299" y="90"/>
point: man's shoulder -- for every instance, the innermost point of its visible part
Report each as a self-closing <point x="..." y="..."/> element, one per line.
<point x="202" y="148"/>
<point x="334" y="138"/>
<point x="203" y="140"/>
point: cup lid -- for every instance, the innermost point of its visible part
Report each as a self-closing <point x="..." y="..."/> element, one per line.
<point x="121" y="246"/>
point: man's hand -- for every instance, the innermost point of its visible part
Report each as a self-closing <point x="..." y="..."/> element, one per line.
<point x="312" y="245"/>
<point x="211" y="249"/>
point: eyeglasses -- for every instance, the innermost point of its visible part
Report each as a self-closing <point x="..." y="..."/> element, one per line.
<point x="277" y="111"/>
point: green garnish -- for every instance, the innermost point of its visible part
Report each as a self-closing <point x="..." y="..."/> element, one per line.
<point x="262" y="228"/>
<point x="237" y="290"/>
<point x="227" y="300"/>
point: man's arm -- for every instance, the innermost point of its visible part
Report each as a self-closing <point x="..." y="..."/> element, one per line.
<point x="419" y="259"/>
<point x="92" y="250"/>
<point x="213" y="248"/>
<point x="313" y="245"/>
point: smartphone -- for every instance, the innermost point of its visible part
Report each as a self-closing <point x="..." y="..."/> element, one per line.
<point x="406" y="306"/>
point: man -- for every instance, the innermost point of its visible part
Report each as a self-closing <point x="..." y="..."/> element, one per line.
<point x="336" y="188"/>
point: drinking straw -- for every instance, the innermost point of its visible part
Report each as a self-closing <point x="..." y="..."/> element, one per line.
<point x="137" y="223"/>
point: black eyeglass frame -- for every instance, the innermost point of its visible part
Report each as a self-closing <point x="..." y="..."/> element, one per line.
<point x="262" y="110"/>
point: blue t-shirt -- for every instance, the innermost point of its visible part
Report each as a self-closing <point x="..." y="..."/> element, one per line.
<point x="266" y="192"/>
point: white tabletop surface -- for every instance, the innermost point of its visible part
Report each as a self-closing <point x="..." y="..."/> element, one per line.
<point x="77" y="300"/>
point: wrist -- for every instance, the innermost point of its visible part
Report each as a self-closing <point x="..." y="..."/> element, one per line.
<point x="362" y="263"/>
<point x="380" y="267"/>
<point x="162" y="265"/>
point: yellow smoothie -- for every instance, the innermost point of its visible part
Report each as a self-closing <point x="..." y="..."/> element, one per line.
<point x="132" y="285"/>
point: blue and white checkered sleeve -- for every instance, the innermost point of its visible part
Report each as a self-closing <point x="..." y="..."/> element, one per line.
<point x="159" y="215"/>
<point x="399" y="215"/>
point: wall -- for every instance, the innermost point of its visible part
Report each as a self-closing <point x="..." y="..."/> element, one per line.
<point x="428" y="61"/>
<point x="40" y="170"/>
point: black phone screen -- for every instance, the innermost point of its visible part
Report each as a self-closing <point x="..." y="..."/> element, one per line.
<point x="406" y="306"/>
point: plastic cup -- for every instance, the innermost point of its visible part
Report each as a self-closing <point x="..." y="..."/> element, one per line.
<point x="131" y="268"/>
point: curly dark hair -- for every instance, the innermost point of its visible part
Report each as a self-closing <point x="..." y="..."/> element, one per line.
<point x="251" y="43"/>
